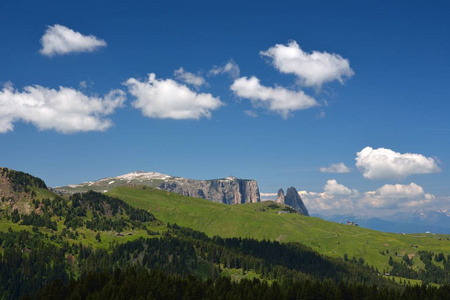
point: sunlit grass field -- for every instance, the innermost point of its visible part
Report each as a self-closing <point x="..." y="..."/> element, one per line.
<point x="261" y="221"/>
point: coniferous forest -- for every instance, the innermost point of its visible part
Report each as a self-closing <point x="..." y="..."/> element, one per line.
<point x="167" y="267"/>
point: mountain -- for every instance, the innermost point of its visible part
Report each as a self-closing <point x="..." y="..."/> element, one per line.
<point x="428" y="217"/>
<point x="405" y="222"/>
<point x="230" y="190"/>
<point x="292" y="199"/>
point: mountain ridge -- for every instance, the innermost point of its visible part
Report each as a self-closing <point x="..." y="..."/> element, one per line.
<point x="228" y="190"/>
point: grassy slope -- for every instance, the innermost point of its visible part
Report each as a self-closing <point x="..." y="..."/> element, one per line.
<point x="248" y="220"/>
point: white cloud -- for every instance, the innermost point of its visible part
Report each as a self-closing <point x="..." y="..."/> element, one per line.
<point x="278" y="99"/>
<point x="334" y="188"/>
<point x="401" y="191"/>
<point x="230" y="68"/>
<point x="312" y="69"/>
<point x="165" y="98"/>
<point x="334" y="197"/>
<point x="189" y="78"/>
<point x="392" y="196"/>
<point x="335" y="168"/>
<point x="384" y="163"/>
<point x="61" y="40"/>
<point x="65" y="110"/>
<point x="324" y="202"/>
<point x="268" y="196"/>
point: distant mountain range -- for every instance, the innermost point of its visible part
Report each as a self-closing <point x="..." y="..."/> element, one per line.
<point x="415" y="221"/>
<point x="229" y="190"/>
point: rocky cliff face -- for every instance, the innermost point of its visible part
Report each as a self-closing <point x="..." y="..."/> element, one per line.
<point x="230" y="190"/>
<point x="292" y="199"/>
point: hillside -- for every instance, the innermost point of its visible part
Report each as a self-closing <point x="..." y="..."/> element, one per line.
<point x="93" y="234"/>
<point x="262" y="221"/>
<point x="30" y="202"/>
<point x="18" y="190"/>
<point x="46" y="237"/>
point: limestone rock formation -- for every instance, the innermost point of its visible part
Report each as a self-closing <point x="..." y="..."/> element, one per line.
<point x="292" y="199"/>
<point x="280" y="197"/>
<point x="230" y="190"/>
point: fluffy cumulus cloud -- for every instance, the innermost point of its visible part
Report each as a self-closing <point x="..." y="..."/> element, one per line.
<point x="189" y="78"/>
<point x="384" y="163"/>
<point x="335" y="168"/>
<point x="334" y="188"/>
<point x="230" y="68"/>
<point x="65" y="110"/>
<point x="386" y="199"/>
<point x="277" y="99"/>
<point x="312" y="69"/>
<point x="392" y="196"/>
<point x="335" y="196"/>
<point x="401" y="191"/>
<point x="165" y="98"/>
<point x="61" y="40"/>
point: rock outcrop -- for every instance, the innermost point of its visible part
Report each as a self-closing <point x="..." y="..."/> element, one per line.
<point x="230" y="190"/>
<point x="280" y="197"/>
<point x="16" y="189"/>
<point x="292" y="199"/>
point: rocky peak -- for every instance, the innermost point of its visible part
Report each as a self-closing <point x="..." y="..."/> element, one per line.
<point x="292" y="199"/>
<point x="280" y="197"/>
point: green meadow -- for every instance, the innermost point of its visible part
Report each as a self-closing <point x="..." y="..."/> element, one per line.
<point x="262" y="221"/>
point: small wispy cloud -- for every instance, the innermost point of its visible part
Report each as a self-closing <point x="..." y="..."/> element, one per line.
<point x="189" y="78"/>
<point x="251" y="113"/>
<point x="230" y="68"/>
<point x="335" y="168"/>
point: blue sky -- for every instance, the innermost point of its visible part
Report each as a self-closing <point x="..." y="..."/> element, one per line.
<point x="392" y="95"/>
